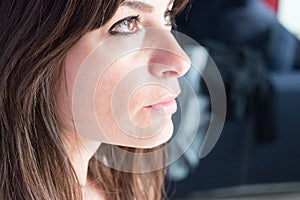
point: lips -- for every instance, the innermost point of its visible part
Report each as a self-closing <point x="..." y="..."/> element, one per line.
<point x="167" y="107"/>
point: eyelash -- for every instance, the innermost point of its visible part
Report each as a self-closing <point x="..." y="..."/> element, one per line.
<point x="123" y="23"/>
<point x="135" y="20"/>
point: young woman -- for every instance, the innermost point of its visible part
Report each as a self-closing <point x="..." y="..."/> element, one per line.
<point x="65" y="64"/>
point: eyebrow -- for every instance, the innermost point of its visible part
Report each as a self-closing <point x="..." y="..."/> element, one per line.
<point x="138" y="5"/>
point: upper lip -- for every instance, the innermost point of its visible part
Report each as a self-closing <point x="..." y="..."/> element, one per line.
<point x="162" y="100"/>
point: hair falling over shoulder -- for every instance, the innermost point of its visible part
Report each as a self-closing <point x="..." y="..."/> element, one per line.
<point x="34" y="38"/>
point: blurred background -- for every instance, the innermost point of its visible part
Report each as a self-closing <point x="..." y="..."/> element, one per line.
<point x="255" y="45"/>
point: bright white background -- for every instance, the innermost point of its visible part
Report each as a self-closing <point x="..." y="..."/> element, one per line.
<point x="289" y="15"/>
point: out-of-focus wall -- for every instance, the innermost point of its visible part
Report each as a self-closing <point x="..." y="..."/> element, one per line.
<point x="289" y="15"/>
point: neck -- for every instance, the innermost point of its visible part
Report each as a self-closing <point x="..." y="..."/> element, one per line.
<point x="81" y="150"/>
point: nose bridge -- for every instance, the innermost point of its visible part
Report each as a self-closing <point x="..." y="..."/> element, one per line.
<point x="167" y="57"/>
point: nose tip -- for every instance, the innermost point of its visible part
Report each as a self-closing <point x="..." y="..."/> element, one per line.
<point x="168" y="59"/>
<point x="169" y="63"/>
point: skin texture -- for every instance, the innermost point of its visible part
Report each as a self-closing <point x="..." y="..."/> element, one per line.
<point x="136" y="85"/>
<point x="146" y="76"/>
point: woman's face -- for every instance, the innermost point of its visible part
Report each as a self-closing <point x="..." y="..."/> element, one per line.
<point x="121" y="79"/>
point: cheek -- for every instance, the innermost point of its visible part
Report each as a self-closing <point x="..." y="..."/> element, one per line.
<point x="63" y="90"/>
<point x="119" y="108"/>
<point x="104" y="93"/>
<point x="137" y="114"/>
<point x="104" y="99"/>
<point x="113" y="92"/>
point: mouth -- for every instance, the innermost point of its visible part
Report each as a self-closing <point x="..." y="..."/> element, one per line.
<point x="167" y="106"/>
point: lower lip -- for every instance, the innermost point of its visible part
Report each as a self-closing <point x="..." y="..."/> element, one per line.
<point x="167" y="108"/>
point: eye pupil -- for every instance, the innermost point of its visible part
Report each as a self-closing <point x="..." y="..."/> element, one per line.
<point x="125" y="26"/>
<point x="131" y="25"/>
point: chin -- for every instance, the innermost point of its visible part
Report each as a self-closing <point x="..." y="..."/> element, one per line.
<point x="157" y="140"/>
<point x="120" y="138"/>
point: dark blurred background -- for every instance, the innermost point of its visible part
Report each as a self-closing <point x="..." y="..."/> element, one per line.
<point x="258" y="56"/>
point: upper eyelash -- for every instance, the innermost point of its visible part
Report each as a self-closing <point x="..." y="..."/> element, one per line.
<point x="137" y="17"/>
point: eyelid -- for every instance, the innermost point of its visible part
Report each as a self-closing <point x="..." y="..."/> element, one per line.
<point x="119" y="22"/>
<point x="113" y="29"/>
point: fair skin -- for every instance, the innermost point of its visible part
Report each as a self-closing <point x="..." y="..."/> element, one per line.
<point x="134" y="97"/>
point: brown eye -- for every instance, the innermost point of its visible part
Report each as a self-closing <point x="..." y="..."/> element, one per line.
<point x="127" y="25"/>
<point x="132" y="25"/>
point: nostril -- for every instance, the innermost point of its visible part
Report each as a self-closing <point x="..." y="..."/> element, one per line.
<point x="168" y="74"/>
<point x="163" y="71"/>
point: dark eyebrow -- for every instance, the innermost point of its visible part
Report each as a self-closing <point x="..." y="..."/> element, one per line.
<point x="138" y="5"/>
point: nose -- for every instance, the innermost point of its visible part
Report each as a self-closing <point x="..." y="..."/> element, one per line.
<point x="167" y="58"/>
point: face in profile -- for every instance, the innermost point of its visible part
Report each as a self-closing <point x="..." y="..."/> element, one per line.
<point x="121" y="79"/>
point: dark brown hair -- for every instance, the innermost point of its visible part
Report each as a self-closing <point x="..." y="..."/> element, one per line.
<point x="34" y="38"/>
